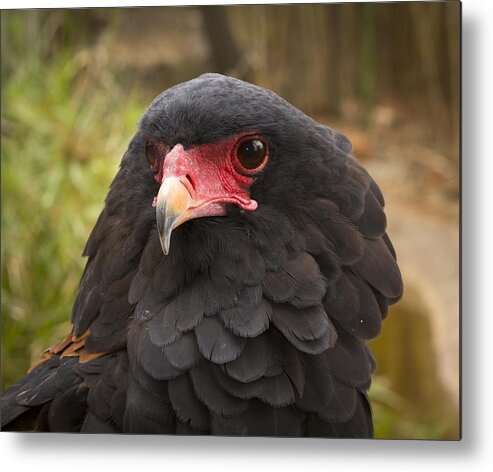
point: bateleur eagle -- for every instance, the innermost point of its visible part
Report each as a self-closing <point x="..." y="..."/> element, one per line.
<point x="236" y="272"/>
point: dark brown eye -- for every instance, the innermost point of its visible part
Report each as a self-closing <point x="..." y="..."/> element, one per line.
<point x="251" y="153"/>
<point x="151" y="152"/>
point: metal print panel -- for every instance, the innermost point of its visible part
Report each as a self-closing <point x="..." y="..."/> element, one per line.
<point x="286" y="171"/>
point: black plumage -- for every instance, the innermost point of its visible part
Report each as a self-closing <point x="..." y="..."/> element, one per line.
<point x="185" y="403"/>
<point x="253" y="362"/>
<point x="256" y="321"/>
<point x="247" y="321"/>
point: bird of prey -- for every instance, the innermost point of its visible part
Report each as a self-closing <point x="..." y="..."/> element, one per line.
<point x="239" y="266"/>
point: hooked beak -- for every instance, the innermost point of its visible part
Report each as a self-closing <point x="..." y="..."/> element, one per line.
<point x="193" y="185"/>
<point x="172" y="208"/>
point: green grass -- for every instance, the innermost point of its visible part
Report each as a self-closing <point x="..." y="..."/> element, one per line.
<point x="66" y="123"/>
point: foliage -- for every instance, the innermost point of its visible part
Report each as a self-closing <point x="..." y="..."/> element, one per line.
<point x="396" y="418"/>
<point x="65" y="125"/>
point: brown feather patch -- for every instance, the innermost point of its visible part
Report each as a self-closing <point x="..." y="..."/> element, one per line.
<point x="70" y="346"/>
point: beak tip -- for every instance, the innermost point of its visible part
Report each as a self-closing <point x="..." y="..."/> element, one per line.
<point x="164" y="240"/>
<point x="172" y="203"/>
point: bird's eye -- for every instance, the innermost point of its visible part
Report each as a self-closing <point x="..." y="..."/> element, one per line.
<point x="151" y="152"/>
<point x="251" y="153"/>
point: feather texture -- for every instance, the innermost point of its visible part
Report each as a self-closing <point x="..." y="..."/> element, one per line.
<point x="186" y="405"/>
<point x="212" y="396"/>
<point x="379" y="269"/>
<point x="247" y="322"/>
<point x="253" y="362"/>
<point x="216" y="343"/>
<point x="276" y="391"/>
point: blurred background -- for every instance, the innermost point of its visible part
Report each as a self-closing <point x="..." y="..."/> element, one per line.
<point x="75" y="83"/>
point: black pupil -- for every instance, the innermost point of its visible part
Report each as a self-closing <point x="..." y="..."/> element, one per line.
<point x="251" y="153"/>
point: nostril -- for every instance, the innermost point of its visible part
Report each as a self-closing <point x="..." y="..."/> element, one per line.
<point x="189" y="178"/>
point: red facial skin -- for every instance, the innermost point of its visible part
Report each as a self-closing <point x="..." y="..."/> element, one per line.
<point x="211" y="173"/>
